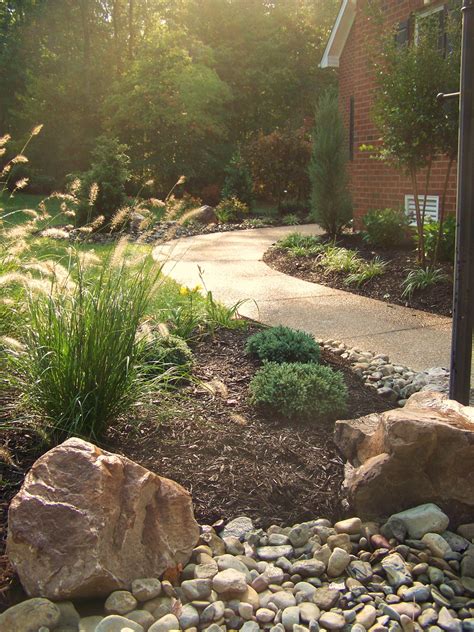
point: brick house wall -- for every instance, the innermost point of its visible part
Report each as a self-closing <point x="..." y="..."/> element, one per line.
<point x="375" y="185"/>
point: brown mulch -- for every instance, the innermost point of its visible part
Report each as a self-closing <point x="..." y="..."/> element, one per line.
<point x="232" y="459"/>
<point x="387" y="287"/>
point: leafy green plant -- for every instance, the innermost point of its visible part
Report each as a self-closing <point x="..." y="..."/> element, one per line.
<point x="440" y="246"/>
<point x="197" y="314"/>
<point x="283" y="344"/>
<point x="368" y="271"/>
<point x="337" y="259"/>
<point x="231" y="210"/>
<point x="165" y="352"/>
<point x="386" y="228"/>
<point x="420" y="279"/>
<point x="297" y="240"/>
<point x="218" y="315"/>
<point x="187" y="317"/>
<point x="299" y="392"/>
<point x="291" y="219"/>
<point x="330" y="198"/>
<point x="81" y="364"/>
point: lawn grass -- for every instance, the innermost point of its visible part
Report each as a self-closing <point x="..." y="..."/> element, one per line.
<point x="168" y="299"/>
<point x="11" y="207"/>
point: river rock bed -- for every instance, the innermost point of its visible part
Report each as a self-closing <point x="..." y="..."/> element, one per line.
<point x="394" y="382"/>
<point x="407" y="575"/>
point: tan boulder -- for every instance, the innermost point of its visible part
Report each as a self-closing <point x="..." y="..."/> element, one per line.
<point x="409" y="456"/>
<point x="206" y="214"/>
<point x="87" y="522"/>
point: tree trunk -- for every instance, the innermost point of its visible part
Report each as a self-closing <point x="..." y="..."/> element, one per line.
<point x="116" y="34"/>
<point x="131" y="29"/>
<point x="425" y="195"/>
<point x="86" y="52"/>
<point x="442" y="213"/>
<point x="419" y="223"/>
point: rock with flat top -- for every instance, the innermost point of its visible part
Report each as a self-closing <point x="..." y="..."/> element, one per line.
<point x="88" y="522"/>
<point x="402" y="458"/>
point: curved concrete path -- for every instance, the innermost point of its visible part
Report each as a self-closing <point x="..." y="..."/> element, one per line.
<point x="233" y="270"/>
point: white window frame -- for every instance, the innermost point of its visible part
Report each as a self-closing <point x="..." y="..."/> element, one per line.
<point x="424" y="14"/>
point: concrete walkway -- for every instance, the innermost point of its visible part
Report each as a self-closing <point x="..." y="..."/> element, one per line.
<point x="233" y="270"/>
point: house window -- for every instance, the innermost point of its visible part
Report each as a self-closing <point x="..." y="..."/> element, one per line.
<point x="402" y="34"/>
<point x="434" y="18"/>
<point x="351" y="128"/>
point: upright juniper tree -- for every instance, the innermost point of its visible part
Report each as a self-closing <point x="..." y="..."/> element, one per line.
<point x="330" y="197"/>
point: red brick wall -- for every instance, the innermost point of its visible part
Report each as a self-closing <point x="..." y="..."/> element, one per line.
<point x="374" y="184"/>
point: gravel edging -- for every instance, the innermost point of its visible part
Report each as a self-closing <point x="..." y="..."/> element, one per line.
<point x="394" y="382"/>
<point x="407" y="575"/>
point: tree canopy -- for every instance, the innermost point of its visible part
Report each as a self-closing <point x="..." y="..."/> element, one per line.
<point x="180" y="82"/>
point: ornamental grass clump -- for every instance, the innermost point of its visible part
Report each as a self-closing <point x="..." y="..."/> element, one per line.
<point x="283" y="344"/>
<point x="421" y="279"/>
<point x="81" y="365"/>
<point x="298" y="391"/>
<point x="298" y="240"/>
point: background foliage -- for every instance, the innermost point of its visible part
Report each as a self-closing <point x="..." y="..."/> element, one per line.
<point x="181" y="82"/>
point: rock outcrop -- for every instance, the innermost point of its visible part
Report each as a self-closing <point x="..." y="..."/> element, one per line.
<point x="87" y="522"/>
<point x="405" y="457"/>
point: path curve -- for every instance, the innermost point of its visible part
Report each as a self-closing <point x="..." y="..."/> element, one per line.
<point x="233" y="270"/>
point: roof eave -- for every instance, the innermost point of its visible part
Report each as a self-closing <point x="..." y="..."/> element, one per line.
<point x="339" y="34"/>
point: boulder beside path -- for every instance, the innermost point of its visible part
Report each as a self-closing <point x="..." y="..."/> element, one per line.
<point x="87" y="522"/>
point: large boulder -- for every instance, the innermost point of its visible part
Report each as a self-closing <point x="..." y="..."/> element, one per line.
<point x="405" y="457"/>
<point x="87" y="522"/>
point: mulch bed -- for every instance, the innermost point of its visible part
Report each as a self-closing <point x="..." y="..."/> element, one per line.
<point x="387" y="287"/>
<point x="232" y="459"/>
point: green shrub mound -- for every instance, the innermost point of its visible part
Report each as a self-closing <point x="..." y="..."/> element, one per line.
<point x="283" y="344"/>
<point x="387" y="227"/>
<point x="445" y="249"/>
<point x="298" y="391"/>
<point x="167" y="352"/>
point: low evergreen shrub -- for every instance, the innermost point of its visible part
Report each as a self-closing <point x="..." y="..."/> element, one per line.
<point x="386" y="227"/>
<point x="298" y="391"/>
<point x="283" y="344"/>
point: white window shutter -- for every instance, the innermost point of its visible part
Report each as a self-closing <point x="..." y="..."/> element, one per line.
<point x="431" y="210"/>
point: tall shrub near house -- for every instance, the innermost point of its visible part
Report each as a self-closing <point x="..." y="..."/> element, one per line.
<point x="415" y="125"/>
<point x="330" y="198"/>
